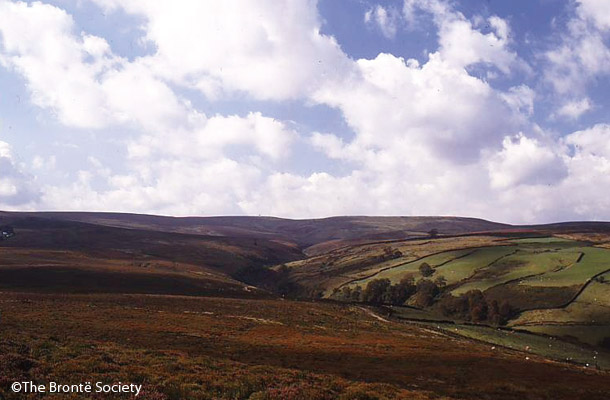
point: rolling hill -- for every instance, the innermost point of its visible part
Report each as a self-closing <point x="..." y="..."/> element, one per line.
<point x="265" y="308"/>
<point x="304" y="233"/>
<point x="64" y="255"/>
<point x="554" y="285"/>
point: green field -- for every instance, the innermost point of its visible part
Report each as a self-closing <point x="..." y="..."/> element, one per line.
<point x="548" y="347"/>
<point x="541" y="262"/>
<point x="556" y="286"/>
<point x="589" y="334"/>
<point x="594" y="261"/>
<point x="545" y="345"/>
<point x="524" y="263"/>
<point x="398" y="272"/>
<point x="386" y="265"/>
<point x="544" y="240"/>
<point x="597" y="293"/>
<point x="463" y="268"/>
<point x="587" y="318"/>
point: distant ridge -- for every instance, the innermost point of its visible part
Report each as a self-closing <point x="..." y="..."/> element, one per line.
<point x="301" y="232"/>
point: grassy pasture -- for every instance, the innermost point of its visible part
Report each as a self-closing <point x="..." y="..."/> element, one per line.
<point x="521" y="264"/>
<point x="338" y="267"/>
<point x="396" y="273"/>
<point x="595" y="261"/>
<point x="541" y="262"/>
<point x="589" y="334"/>
<point x="479" y="268"/>
<point x="462" y="268"/>
<point x="543" y="343"/>
<point x="575" y="313"/>
<point x="598" y="292"/>
<point x="535" y="344"/>
<point x="587" y="318"/>
<point x="535" y="274"/>
<point x="382" y="266"/>
<point x="592" y="306"/>
<point x="544" y="240"/>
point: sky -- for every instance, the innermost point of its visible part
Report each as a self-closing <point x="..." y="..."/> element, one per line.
<point x="301" y="108"/>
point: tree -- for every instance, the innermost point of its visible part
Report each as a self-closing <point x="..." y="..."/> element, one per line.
<point x="473" y="306"/>
<point x="426" y="292"/>
<point x="440" y="281"/>
<point x="426" y="270"/>
<point x="478" y="312"/>
<point x="493" y="313"/>
<point x="506" y="312"/>
<point x="455" y="307"/>
<point x="346" y="293"/>
<point x="477" y="305"/>
<point x="399" y="293"/>
<point x="375" y="291"/>
<point x="433" y="233"/>
<point x="357" y="293"/>
<point x="406" y="288"/>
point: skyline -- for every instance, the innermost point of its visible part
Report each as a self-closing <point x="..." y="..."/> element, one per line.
<point x="307" y="109"/>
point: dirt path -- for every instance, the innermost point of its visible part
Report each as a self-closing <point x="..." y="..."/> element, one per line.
<point x="374" y="314"/>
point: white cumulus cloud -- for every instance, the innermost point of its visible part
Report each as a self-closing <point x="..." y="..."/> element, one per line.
<point x="263" y="48"/>
<point x="574" y="109"/>
<point x="385" y="19"/>
<point x="426" y="137"/>
<point x="17" y="189"/>
<point x="525" y="161"/>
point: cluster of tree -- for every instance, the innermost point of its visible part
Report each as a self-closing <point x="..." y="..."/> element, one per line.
<point x="378" y="291"/>
<point x="473" y="306"/>
<point x="381" y="291"/>
<point x="426" y="293"/>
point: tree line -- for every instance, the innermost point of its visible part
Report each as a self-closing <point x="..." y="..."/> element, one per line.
<point x="471" y="306"/>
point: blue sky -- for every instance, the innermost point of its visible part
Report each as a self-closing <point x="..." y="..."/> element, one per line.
<point x="300" y="109"/>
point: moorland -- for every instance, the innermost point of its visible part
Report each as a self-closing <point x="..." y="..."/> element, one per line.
<point x="269" y="308"/>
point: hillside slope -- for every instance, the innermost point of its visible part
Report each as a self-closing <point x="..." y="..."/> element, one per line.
<point x="135" y="296"/>
<point x="304" y="233"/>
<point x="67" y="256"/>
<point x="555" y="285"/>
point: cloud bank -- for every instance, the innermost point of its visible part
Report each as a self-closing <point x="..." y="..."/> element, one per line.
<point x="455" y="132"/>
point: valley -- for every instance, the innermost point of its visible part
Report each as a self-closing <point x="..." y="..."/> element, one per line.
<point x="350" y="308"/>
